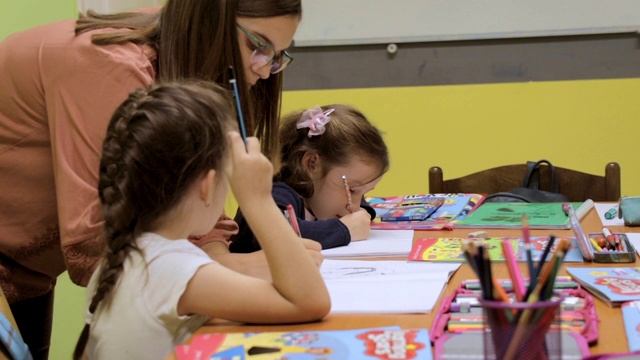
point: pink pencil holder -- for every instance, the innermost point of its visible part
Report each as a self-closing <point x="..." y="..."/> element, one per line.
<point x="521" y="330"/>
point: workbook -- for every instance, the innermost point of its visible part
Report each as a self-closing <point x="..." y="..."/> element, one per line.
<point x="613" y="285"/>
<point x="450" y="249"/>
<point x="452" y="207"/>
<point x="509" y="215"/>
<point x="367" y="343"/>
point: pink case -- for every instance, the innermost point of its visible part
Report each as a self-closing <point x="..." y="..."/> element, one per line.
<point x="470" y="345"/>
<point x="588" y="311"/>
<point x="617" y="356"/>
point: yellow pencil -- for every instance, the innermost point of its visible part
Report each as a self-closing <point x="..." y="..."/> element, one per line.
<point x="595" y="244"/>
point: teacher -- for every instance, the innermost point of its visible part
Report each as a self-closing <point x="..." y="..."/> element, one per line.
<point x="60" y="84"/>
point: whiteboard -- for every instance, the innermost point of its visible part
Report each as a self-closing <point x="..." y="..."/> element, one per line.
<point x="113" y="6"/>
<point x="350" y="22"/>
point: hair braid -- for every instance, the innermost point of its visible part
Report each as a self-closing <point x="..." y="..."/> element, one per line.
<point x="177" y="127"/>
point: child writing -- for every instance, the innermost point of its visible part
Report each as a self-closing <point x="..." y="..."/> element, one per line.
<point x="168" y="159"/>
<point x="329" y="156"/>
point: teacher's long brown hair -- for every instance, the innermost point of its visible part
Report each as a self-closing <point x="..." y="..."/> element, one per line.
<point x="197" y="39"/>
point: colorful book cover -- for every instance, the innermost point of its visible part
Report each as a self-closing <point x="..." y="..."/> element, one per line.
<point x="370" y="343"/>
<point x="454" y="206"/>
<point x="450" y="249"/>
<point x="631" y="318"/>
<point x="509" y="215"/>
<point x="613" y="285"/>
<point x="413" y="208"/>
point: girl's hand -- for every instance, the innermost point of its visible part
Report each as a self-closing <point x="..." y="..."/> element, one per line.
<point x="251" y="174"/>
<point x="359" y="224"/>
<point x="314" y="250"/>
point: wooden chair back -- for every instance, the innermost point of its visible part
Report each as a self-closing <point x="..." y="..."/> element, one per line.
<point x="575" y="185"/>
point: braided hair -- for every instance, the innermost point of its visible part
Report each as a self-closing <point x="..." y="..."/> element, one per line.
<point x="158" y="142"/>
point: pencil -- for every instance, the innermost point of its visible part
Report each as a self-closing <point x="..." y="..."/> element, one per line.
<point x="236" y="95"/>
<point x="543" y="258"/>
<point x="514" y="272"/>
<point x="293" y="220"/>
<point x="527" y="246"/>
<point x="347" y="191"/>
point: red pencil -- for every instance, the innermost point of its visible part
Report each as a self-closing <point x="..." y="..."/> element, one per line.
<point x="514" y="272"/>
<point x="293" y="220"/>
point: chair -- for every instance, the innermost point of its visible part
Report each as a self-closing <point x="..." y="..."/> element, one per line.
<point x="575" y="185"/>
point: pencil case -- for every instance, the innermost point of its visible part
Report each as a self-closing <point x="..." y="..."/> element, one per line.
<point x="460" y="312"/>
<point x="471" y="346"/>
<point x="617" y="356"/>
<point x="625" y="253"/>
<point x="629" y="210"/>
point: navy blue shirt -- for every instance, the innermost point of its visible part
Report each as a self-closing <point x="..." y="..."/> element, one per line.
<point x="329" y="233"/>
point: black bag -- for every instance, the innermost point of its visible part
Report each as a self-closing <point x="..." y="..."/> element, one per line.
<point x="529" y="188"/>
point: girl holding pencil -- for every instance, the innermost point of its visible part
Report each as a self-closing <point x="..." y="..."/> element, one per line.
<point x="154" y="288"/>
<point x="331" y="156"/>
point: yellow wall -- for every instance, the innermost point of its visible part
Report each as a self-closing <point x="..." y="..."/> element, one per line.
<point x="465" y="128"/>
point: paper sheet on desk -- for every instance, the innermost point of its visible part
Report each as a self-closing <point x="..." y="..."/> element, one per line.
<point x="634" y="239"/>
<point x="602" y="209"/>
<point x="385" y="286"/>
<point x="379" y="243"/>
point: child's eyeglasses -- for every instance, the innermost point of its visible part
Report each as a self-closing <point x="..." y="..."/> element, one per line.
<point x="265" y="53"/>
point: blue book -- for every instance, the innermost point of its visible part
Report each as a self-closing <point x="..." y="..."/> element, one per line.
<point x="631" y="318"/>
<point x="368" y="343"/>
<point x="613" y="285"/>
<point x="454" y="207"/>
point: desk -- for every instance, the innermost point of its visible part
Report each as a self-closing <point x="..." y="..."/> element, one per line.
<point x="612" y="335"/>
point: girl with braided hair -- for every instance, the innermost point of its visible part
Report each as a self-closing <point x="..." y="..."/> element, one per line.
<point x="167" y="161"/>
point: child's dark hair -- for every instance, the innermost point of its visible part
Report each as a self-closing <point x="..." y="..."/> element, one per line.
<point x="158" y="142"/>
<point x="348" y="133"/>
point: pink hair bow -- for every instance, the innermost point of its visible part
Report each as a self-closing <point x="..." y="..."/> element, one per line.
<point x="314" y="119"/>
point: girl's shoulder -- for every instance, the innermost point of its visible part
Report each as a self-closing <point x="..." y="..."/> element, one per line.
<point x="285" y="194"/>
<point x="153" y="246"/>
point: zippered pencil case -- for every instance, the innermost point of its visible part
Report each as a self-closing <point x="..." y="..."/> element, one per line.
<point x="629" y="210"/>
<point x="460" y="312"/>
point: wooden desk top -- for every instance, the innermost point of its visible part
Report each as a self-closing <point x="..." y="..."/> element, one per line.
<point x="611" y="328"/>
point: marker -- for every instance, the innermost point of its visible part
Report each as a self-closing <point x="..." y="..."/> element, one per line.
<point x="347" y="190"/>
<point x="611" y="213"/>
<point x="236" y="95"/>
<point x="611" y="242"/>
<point x="616" y="237"/>
<point x="565" y="208"/>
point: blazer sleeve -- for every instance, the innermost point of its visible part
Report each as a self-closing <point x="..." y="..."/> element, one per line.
<point x="329" y="233"/>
